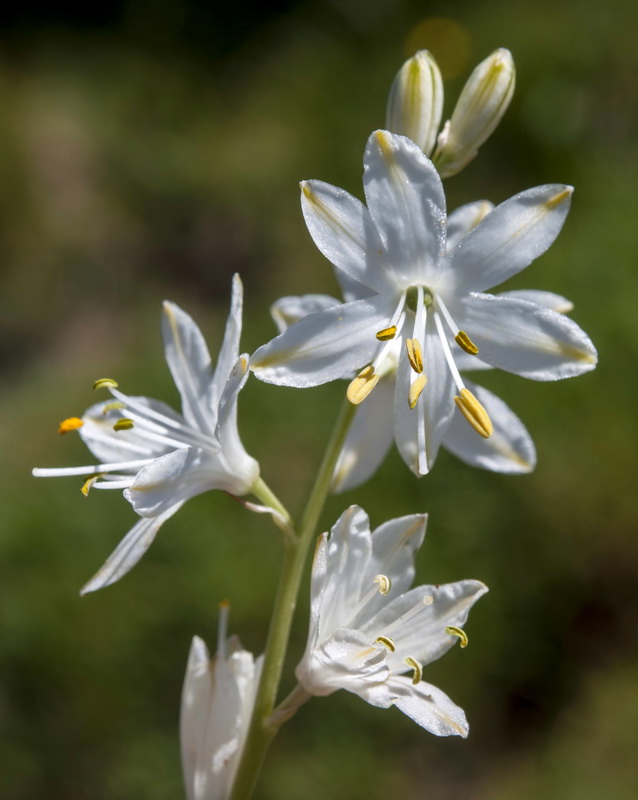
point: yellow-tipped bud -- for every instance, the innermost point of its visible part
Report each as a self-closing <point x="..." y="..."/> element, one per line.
<point x="483" y="101"/>
<point x="416" y="387"/>
<point x="386" y="334"/>
<point x="70" y="424"/>
<point x="105" y="383"/>
<point x="415" y="103"/>
<point x="415" y="354"/>
<point x="362" y="385"/>
<point x="465" y="343"/>
<point x="124" y="424"/>
<point x="474" y="413"/>
<point x="452" y="630"/>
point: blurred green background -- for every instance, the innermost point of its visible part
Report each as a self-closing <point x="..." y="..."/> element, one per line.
<point x="150" y="150"/>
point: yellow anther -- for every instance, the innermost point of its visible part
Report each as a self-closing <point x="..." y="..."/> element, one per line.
<point x="465" y="343"/>
<point x="105" y="383"/>
<point x="557" y="199"/>
<point x="415" y="354"/>
<point x="88" y="483"/>
<point x="70" y="424"/>
<point x="474" y="413"/>
<point x="124" y="424"/>
<point x="386" y="641"/>
<point x="417" y="386"/>
<point x="384" y="583"/>
<point x="418" y="669"/>
<point x="114" y="406"/>
<point x="452" y="630"/>
<point x="362" y="385"/>
<point x="387" y="333"/>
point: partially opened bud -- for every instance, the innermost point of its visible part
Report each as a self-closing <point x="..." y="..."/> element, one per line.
<point x="415" y="103"/>
<point x="483" y="101"/>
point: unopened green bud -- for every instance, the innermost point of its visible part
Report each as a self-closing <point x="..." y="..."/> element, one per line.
<point x="415" y="103"/>
<point x="483" y="101"/>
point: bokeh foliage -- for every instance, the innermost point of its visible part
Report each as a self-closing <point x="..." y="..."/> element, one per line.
<point x="149" y="150"/>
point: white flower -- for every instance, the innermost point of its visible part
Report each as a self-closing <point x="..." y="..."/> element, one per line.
<point x="510" y="448"/>
<point x="415" y="105"/>
<point x="429" y="299"/>
<point x="370" y="633"/>
<point x="159" y="457"/>
<point x="217" y="704"/>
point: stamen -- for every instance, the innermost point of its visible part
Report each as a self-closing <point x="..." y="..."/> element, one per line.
<point x="416" y="609"/>
<point x="452" y="630"/>
<point x="418" y="669"/>
<point x="222" y="628"/>
<point x="362" y="385"/>
<point x="475" y="413"/>
<point x="415" y="355"/>
<point x="88" y="483"/>
<point x="114" y="406"/>
<point x="124" y="424"/>
<point x="456" y="375"/>
<point x="416" y="387"/>
<point x="70" y="424"/>
<point x="384" y="583"/>
<point x="105" y="383"/>
<point x="465" y="343"/>
<point x="386" y="641"/>
<point x="387" y="333"/>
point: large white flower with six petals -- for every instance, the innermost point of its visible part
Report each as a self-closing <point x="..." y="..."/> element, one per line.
<point x="159" y="457"/>
<point x="368" y="629"/>
<point x="430" y="299"/>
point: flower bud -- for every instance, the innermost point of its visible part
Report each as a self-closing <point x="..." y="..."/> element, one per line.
<point x="479" y="109"/>
<point x="415" y="103"/>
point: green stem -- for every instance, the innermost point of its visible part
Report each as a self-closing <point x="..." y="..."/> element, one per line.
<point x="262" y="728"/>
<point x="263" y="492"/>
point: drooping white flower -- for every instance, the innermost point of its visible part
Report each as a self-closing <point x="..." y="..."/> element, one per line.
<point x="510" y="449"/>
<point x="159" y="457"/>
<point x="217" y="704"/>
<point x="428" y="298"/>
<point x="415" y="105"/>
<point x="371" y="634"/>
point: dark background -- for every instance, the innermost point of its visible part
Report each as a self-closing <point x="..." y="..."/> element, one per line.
<point x="150" y="150"/>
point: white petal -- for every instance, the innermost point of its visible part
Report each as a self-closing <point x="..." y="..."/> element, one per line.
<point x="555" y="302"/>
<point x="406" y="201"/>
<point x="527" y="339"/>
<point x="110" y="445"/>
<point x="288" y="310"/>
<point x="464" y="219"/>
<point x="195" y="710"/>
<point x="428" y="706"/>
<point x="229" y="351"/>
<point x="423" y="635"/>
<point x="509" y="449"/>
<point x="419" y="431"/>
<point x="345" y="660"/>
<point x="189" y="362"/>
<point x="129" y="551"/>
<point x="323" y="347"/>
<point x="369" y="438"/>
<point x="344" y="232"/>
<point x="510" y="237"/>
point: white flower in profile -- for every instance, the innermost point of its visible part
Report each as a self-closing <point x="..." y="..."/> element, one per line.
<point x="415" y="106"/>
<point x="509" y="449"/>
<point x="428" y="298"/>
<point x="159" y="457"/>
<point x="372" y="635"/>
<point x="217" y="704"/>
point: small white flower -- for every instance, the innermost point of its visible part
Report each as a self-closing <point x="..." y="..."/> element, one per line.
<point x="415" y="105"/>
<point x="370" y="633"/>
<point x="510" y="449"/>
<point x="217" y="704"/>
<point x="427" y="297"/>
<point x="159" y="457"/>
